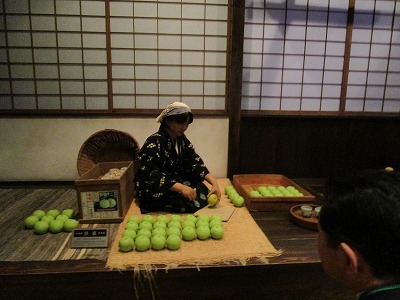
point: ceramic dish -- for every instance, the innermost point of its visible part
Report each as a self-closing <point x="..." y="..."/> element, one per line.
<point x="310" y="223"/>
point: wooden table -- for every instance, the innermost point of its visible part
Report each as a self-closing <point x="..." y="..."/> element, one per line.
<point x="296" y="274"/>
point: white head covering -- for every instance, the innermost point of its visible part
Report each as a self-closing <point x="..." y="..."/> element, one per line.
<point x="175" y="108"/>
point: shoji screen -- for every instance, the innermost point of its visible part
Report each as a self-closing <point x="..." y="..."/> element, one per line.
<point x="299" y="55"/>
<point x="56" y="55"/>
<point x="112" y="56"/>
<point x="374" y="71"/>
<point x="163" y="51"/>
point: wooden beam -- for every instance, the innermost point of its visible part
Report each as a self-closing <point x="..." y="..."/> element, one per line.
<point x="347" y="52"/>
<point x="235" y="84"/>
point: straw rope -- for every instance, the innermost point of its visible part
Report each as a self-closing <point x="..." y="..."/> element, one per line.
<point x="243" y="240"/>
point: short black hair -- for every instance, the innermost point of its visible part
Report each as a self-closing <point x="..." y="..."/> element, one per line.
<point x="363" y="210"/>
<point x="186" y="117"/>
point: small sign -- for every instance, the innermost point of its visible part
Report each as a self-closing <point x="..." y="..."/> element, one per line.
<point x="89" y="238"/>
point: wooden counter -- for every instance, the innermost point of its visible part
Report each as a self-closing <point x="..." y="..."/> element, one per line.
<point x="296" y="274"/>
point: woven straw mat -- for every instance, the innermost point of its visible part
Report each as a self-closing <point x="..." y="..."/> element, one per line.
<point x="243" y="240"/>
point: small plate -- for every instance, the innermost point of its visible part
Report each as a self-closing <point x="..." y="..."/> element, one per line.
<point x="298" y="219"/>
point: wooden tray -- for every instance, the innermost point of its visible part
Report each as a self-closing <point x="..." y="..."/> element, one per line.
<point x="244" y="184"/>
<point x="298" y="219"/>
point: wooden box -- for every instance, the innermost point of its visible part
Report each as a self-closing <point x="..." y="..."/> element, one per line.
<point x="245" y="183"/>
<point x="105" y="200"/>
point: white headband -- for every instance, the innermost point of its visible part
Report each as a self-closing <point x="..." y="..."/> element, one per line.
<point x="175" y="108"/>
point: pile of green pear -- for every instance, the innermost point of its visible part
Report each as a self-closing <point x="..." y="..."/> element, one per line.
<point x="234" y="197"/>
<point x="148" y="232"/>
<point x="54" y="221"/>
<point x="273" y="191"/>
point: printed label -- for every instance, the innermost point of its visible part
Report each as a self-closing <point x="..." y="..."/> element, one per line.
<point x="100" y="205"/>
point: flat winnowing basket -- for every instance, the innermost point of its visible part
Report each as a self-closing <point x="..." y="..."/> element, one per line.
<point x="108" y="145"/>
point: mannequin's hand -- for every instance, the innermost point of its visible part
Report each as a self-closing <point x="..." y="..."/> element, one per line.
<point x="215" y="190"/>
<point x="188" y="192"/>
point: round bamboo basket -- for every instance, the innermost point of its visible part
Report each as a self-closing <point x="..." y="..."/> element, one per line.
<point x="108" y="145"/>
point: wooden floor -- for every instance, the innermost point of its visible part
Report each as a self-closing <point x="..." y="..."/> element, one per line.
<point x="297" y="274"/>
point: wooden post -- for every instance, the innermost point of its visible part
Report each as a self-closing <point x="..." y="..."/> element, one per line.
<point x="235" y="85"/>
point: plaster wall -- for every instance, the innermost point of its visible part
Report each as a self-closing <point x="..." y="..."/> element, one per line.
<point x="46" y="149"/>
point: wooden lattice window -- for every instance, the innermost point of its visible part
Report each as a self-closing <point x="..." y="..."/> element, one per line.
<point x="71" y="56"/>
<point x="321" y="57"/>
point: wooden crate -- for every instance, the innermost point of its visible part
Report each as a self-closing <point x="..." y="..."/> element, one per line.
<point x="245" y="183"/>
<point x="91" y="190"/>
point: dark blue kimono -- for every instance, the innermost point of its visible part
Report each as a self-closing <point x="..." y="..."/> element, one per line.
<point x="161" y="166"/>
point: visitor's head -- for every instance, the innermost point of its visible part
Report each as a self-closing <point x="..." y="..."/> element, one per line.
<point x="360" y="223"/>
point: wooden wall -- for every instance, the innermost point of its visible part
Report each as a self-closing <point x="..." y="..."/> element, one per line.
<point x="306" y="147"/>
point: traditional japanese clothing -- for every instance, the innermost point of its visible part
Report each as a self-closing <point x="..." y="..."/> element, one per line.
<point x="385" y="292"/>
<point x="163" y="163"/>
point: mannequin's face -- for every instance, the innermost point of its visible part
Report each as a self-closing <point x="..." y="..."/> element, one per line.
<point x="176" y="129"/>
